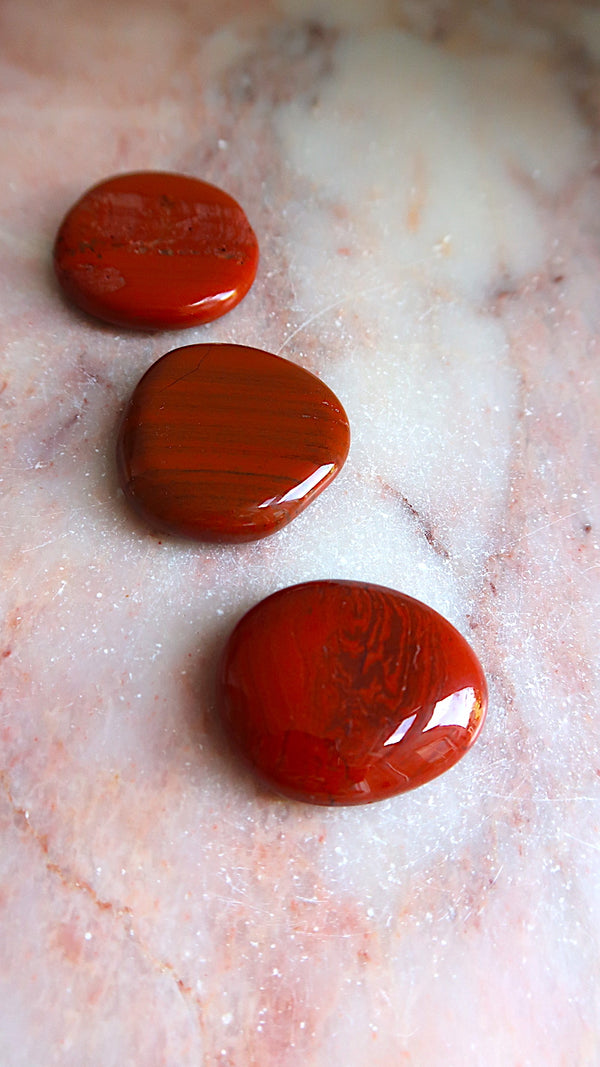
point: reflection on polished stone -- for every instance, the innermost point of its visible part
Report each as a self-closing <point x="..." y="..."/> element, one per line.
<point x="228" y="443"/>
<point x="155" y="250"/>
<point x="345" y="692"/>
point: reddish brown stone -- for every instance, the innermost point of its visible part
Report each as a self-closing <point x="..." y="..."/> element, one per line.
<point x="228" y="443"/>
<point x="346" y="693"/>
<point x="155" y="250"/>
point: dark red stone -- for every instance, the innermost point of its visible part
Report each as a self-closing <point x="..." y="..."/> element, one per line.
<point x="345" y="693"/>
<point x="228" y="443"/>
<point x="155" y="250"/>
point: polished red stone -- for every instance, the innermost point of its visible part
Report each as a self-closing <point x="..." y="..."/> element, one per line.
<point x="345" y="693"/>
<point x="228" y="443"/>
<point x="155" y="250"/>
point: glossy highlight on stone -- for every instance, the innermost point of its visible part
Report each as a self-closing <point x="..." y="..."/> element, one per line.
<point x="346" y="693"/>
<point x="155" y="250"/>
<point x="228" y="443"/>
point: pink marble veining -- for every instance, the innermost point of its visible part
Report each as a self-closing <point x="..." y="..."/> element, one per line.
<point x="424" y="182"/>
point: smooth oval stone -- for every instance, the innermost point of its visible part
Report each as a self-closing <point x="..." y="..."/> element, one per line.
<point x="346" y="693"/>
<point x="155" y="250"/>
<point x="228" y="443"/>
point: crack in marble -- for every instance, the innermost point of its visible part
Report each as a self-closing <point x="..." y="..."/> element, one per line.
<point x="426" y="528"/>
<point x="122" y="913"/>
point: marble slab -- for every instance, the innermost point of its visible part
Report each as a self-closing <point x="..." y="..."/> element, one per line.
<point x="423" y="178"/>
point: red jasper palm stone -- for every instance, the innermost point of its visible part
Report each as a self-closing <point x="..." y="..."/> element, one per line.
<point x="346" y="693"/>
<point x="155" y="250"/>
<point x="228" y="443"/>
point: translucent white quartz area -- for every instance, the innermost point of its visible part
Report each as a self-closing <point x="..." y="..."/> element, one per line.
<point x="424" y="181"/>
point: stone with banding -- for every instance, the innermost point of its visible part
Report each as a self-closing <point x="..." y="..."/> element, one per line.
<point x="228" y="443"/>
<point x="346" y="693"/>
<point x="155" y="250"/>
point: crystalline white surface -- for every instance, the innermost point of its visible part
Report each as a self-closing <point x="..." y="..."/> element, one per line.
<point x="423" y="182"/>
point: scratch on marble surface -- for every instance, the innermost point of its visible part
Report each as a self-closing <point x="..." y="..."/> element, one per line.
<point x="579" y="841"/>
<point x="544" y="526"/>
<point x="347" y="297"/>
<point x="44" y="544"/>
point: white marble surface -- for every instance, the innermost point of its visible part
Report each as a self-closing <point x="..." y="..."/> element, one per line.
<point x="424" y="181"/>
